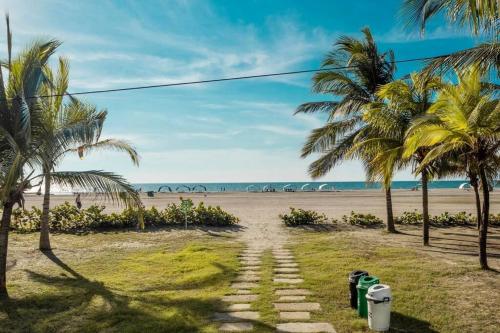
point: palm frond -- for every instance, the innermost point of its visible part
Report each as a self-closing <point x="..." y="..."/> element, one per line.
<point x="112" y="186"/>
<point x="109" y="144"/>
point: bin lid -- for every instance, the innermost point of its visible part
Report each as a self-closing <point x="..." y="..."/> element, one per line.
<point x="379" y="292"/>
<point x="355" y="275"/>
<point x="368" y="280"/>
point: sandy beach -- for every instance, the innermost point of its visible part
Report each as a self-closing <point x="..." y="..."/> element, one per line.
<point x="255" y="207"/>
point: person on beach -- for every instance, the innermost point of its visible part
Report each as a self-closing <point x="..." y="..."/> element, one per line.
<point x="78" y="201"/>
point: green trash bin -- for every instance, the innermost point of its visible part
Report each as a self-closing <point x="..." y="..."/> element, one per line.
<point x="364" y="283"/>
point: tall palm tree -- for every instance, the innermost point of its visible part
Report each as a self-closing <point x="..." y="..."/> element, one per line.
<point x="400" y="103"/>
<point x="481" y="16"/>
<point x="68" y="127"/>
<point x="414" y="96"/>
<point x="21" y="131"/>
<point x="359" y="69"/>
<point x="465" y="119"/>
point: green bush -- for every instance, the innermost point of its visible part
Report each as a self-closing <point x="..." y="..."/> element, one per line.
<point x="458" y="219"/>
<point x="409" y="218"/>
<point x="299" y="216"/>
<point x="495" y="220"/>
<point x="67" y="218"/>
<point x="364" y="220"/>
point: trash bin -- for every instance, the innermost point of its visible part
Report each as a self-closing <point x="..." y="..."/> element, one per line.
<point x="379" y="300"/>
<point x="364" y="283"/>
<point x="353" y="282"/>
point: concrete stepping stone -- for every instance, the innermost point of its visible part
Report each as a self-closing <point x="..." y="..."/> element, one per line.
<point x="307" y="306"/>
<point x="236" y="316"/>
<point x="287" y="264"/>
<point x="250" y="257"/>
<point x="286" y="270"/>
<point x="243" y="292"/>
<point x="292" y="292"/>
<point x="284" y="257"/>
<point x="305" y="328"/>
<point x="247" y="278"/>
<point x="244" y="285"/>
<point x="298" y="315"/>
<point x="287" y="276"/>
<point x="291" y="281"/>
<point x="291" y="298"/>
<point x="239" y="298"/>
<point x="236" y="327"/>
<point x="239" y="307"/>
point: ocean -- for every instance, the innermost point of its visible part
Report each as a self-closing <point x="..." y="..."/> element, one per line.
<point x="288" y="186"/>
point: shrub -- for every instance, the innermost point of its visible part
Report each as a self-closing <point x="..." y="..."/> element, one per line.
<point x="364" y="220"/>
<point x="67" y="218"/>
<point x="410" y="218"/>
<point x="299" y="216"/>
<point x="494" y="220"/>
<point x="447" y="219"/>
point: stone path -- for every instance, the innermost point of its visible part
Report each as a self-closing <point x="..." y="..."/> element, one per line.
<point x="292" y="303"/>
<point x="239" y="315"/>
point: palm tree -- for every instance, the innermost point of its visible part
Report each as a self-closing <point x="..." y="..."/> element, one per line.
<point x="401" y="102"/>
<point x="482" y="16"/>
<point x="465" y="120"/>
<point x="21" y="131"/>
<point x="68" y="127"/>
<point x="360" y="70"/>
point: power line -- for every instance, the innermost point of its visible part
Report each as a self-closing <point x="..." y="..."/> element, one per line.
<point x="234" y="78"/>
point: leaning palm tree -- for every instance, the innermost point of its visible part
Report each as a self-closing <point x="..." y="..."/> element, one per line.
<point x="359" y="69"/>
<point x="481" y="16"/>
<point x="68" y="127"/>
<point x="21" y="131"/>
<point x="465" y="119"/>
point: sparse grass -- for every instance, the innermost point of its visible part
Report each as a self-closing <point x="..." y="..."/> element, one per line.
<point x="161" y="282"/>
<point x="430" y="294"/>
<point x="264" y="304"/>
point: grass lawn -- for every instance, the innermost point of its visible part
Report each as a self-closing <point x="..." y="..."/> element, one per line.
<point x="119" y="282"/>
<point x="431" y="293"/>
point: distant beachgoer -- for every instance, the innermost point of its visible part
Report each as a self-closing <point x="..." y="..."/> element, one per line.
<point x="78" y="201"/>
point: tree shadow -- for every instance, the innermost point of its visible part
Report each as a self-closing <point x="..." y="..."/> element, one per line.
<point x="80" y="304"/>
<point x="404" y="323"/>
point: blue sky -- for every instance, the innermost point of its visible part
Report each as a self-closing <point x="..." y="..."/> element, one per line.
<point x="232" y="131"/>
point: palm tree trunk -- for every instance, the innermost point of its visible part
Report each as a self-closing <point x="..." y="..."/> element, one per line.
<point x="425" y="207"/>
<point x="483" y="230"/>
<point x="390" y="216"/>
<point x="475" y="186"/>
<point x="4" y="241"/>
<point x="44" y="221"/>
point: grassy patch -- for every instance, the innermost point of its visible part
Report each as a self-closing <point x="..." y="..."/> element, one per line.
<point x="166" y="282"/>
<point x="264" y="303"/>
<point x="430" y="294"/>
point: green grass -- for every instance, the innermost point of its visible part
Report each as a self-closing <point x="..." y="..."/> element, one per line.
<point x="264" y="304"/>
<point x="171" y="285"/>
<point x="430" y="294"/>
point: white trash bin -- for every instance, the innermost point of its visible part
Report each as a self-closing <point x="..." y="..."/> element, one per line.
<point x="379" y="307"/>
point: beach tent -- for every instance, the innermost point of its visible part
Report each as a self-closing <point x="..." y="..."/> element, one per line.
<point x="200" y="188"/>
<point x="464" y="186"/>
<point x="322" y="187"/>
<point x="268" y="188"/>
<point x="288" y="188"/>
<point x="165" y="186"/>
<point x="251" y="188"/>
<point x="182" y="188"/>
<point x="304" y="187"/>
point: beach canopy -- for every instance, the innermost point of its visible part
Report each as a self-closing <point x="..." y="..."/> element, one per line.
<point x="464" y="186"/>
<point x="200" y="187"/>
<point x="165" y="186"/>
<point x="322" y="186"/>
<point x="251" y="188"/>
<point x="303" y="187"/>
<point x="185" y="187"/>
